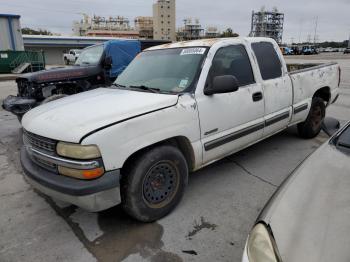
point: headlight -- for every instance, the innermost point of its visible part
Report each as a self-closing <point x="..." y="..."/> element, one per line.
<point x="77" y="151"/>
<point x="260" y="247"/>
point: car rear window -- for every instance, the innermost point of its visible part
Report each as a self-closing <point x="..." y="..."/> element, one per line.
<point x="268" y="60"/>
<point x="344" y="139"/>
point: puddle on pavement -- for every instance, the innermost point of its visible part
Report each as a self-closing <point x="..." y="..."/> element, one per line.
<point x="122" y="236"/>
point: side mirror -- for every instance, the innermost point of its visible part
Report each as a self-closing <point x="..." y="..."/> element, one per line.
<point x="330" y="126"/>
<point x="223" y="84"/>
<point x="107" y="63"/>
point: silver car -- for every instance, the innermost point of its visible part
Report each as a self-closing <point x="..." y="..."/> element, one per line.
<point x="308" y="218"/>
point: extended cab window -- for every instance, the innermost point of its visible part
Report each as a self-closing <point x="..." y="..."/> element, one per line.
<point x="268" y="60"/>
<point x="232" y="60"/>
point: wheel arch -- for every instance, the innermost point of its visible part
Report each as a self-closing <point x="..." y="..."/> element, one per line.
<point x="324" y="93"/>
<point x="180" y="142"/>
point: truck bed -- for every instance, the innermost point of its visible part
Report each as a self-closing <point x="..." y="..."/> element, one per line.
<point x="299" y="67"/>
<point x="310" y="77"/>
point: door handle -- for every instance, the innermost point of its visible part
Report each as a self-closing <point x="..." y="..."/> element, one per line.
<point x="257" y="96"/>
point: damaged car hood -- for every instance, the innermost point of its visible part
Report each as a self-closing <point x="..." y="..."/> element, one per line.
<point x="71" y="118"/>
<point x="59" y="73"/>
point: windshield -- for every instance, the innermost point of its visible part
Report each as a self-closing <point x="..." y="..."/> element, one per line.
<point x="90" y="56"/>
<point x="167" y="70"/>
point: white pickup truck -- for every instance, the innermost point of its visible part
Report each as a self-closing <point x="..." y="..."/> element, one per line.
<point x="175" y="109"/>
<point x="71" y="56"/>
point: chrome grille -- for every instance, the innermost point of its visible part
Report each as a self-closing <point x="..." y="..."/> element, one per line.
<point x="39" y="142"/>
<point x="45" y="164"/>
<point x="42" y="144"/>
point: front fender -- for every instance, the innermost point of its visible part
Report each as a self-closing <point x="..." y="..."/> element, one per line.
<point x="18" y="105"/>
<point x="117" y="143"/>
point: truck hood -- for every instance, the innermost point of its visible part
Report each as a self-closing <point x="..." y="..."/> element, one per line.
<point x="71" y="118"/>
<point x="309" y="215"/>
<point x="60" y="73"/>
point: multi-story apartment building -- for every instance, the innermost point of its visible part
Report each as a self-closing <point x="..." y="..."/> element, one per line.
<point x="164" y="20"/>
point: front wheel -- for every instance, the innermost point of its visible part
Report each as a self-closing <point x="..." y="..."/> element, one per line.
<point x="154" y="183"/>
<point x="312" y="125"/>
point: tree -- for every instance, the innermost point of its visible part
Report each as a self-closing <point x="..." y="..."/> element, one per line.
<point x="229" y="33"/>
<point x="30" y="31"/>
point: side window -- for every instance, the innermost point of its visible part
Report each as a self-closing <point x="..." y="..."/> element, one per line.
<point x="268" y="60"/>
<point x="232" y="60"/>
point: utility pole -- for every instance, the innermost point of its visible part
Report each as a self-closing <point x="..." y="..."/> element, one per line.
<point x="316" y="23"/>
<point x="300" y="29"/>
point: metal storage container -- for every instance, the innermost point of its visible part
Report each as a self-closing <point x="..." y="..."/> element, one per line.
<point x="11" y="35"/>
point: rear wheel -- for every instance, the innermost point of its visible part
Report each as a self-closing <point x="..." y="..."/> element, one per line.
<point x="66" y="62"/>
<point x="312" y="125"/>
<point x="154" y="183"/>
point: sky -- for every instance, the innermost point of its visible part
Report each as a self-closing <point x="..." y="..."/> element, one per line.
<point x="300" y="15"/>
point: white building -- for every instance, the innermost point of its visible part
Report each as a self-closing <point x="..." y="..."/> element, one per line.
<point x="98" y="26"/>
<point x="164" y="20"/>
<point x="55" y="46"/>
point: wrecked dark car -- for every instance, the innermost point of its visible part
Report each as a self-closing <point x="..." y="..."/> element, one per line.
<point x="97" y="66"/>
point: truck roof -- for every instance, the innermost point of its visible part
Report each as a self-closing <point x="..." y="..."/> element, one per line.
<point x="207" y="42"/>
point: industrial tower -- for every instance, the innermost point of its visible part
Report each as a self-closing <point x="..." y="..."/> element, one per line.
<point x="267" y="24"/>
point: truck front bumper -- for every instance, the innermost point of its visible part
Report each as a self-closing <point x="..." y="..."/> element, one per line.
<point x="18" y="105"/>
<point x="92" y="195"/>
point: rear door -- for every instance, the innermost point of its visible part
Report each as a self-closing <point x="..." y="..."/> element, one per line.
<point x="277" y="86"/>
<point x="233" y="120"/>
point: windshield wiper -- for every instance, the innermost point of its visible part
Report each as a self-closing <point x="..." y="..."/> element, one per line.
<point x="146" y="88"/>
<point x="118" y="85"/>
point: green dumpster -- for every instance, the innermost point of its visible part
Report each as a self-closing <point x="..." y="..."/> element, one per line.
<point x="21" y="61"/>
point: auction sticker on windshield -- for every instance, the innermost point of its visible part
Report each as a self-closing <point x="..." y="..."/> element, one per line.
<point x="183" y="83"/>
<point x="193" y="51"/>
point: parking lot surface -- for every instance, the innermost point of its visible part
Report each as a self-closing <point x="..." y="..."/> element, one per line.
<point x="211" y="223"/>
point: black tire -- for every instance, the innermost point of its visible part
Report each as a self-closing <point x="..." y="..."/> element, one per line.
<point x="312" y="125"/>
<point x="154" y="183"/>
<point x="53" y="98"/>
<point x="66" y="62"/>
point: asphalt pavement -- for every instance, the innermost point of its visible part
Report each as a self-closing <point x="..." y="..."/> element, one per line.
<point x="211" y="223"/>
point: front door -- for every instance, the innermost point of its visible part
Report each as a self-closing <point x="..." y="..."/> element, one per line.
<point x="234" y="120"/>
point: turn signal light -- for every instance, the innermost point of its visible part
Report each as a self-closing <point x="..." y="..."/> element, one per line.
<point x="81" y="174"/>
